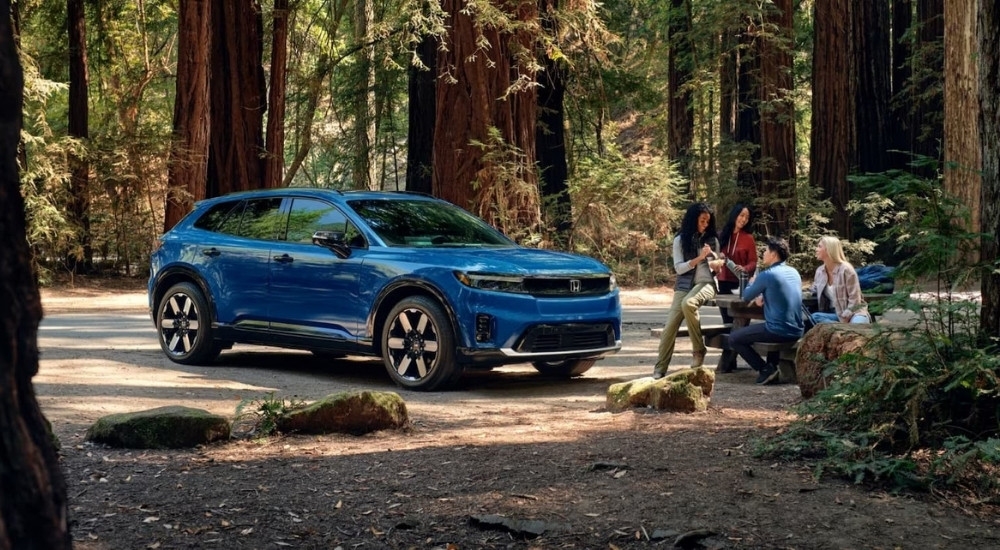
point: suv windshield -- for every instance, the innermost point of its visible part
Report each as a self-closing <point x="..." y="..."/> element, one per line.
<point x="426" y="223"/>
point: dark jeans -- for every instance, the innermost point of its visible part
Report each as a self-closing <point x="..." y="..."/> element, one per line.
<point x="725" y="287"/>
<point x="742" y="341"/>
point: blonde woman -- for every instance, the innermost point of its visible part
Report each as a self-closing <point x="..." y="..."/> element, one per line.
<point x="836" y="286"/>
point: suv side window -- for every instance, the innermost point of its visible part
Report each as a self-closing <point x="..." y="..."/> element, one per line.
<point x="308" y="216"/>
<point x="261" y="219"/>
<point x="221" y="218"/>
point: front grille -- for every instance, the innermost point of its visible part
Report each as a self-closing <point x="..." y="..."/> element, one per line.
<point x="553" y="338"/>
<point x="567" y="286"/>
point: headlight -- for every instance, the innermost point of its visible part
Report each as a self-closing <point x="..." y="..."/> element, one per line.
<point x="496" y="283"/>
<point x="612" y="283"/>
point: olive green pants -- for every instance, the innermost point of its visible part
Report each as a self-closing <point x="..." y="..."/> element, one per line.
<point x="684" y="308"/>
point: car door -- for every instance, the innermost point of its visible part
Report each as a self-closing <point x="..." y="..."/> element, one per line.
<point x="313" y="293"/>
<point x="233" y="259"/>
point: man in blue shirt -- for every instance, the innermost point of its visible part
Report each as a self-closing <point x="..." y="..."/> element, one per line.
<point x="780" y="288"/>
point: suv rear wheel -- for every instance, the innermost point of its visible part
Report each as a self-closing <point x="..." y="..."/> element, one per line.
<point x="185" y="326"/>
<point x="418" y="345"/>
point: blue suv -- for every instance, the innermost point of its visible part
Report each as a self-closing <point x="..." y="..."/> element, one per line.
<point x="415" y="280"/>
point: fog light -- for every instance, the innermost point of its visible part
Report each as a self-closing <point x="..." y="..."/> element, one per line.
<point x="484" y="327"/>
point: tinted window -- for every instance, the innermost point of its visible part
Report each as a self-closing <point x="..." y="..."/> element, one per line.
<point x="426" y="223"/>
<point x="308" y="216"/>
<point x="261" y="219"/>
<point x="221" y="218"/>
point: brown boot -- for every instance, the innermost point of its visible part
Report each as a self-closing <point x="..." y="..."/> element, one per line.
<point x="699" y="358"/>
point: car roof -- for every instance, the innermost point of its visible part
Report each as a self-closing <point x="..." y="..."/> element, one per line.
<point x="335" y="194"/>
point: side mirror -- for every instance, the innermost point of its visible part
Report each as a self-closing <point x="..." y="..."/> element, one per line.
<point x="334" y="240"/>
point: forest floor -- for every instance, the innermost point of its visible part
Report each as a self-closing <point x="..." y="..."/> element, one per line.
<point x="511" y="459"/>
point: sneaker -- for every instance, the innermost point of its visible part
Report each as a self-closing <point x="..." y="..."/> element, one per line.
<point x="699" y="359"/>
<point x="657" y="374"/>
<point x="768" y="375"/>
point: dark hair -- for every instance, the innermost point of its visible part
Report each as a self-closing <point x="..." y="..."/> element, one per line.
<point x="727" y="230"/>
<point x="780" y="246"/>
<point x="690" y="241"/>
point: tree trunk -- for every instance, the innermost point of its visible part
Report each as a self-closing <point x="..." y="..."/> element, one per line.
<point x="237" y="99"/>
<point x="747" y="130"/>
<point x="680" y="63"/>
<point x="902" y="18"/>
<point x="420" y="133"/>
<point x="484" y="134"/>
<point x="727" y="85"/>
<point x="989" y="133"/>
<point x="962" y="152"/>
<point x="777" y="120"/>
<point x="79" y="207"/>
<point x="364" y="100"/>
<point x="187" y="171"/>
<point x="928" y="99"/>
<point x="274" y="162"/>
<point x="833" y="128"/>
<point x="33" y="509"/>
<point x="871" y="39"/>
<point x="550" y="135"/>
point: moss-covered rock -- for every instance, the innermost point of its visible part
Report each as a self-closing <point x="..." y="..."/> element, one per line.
<point x="821" y="346"/>
<point x="348" y="412"/>
<point x="688" y="390"/>
<point x="172" y="427"/>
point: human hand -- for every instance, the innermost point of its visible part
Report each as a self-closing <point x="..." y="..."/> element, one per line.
<point x="759" y="300"/>
<point x="705" y="251"/>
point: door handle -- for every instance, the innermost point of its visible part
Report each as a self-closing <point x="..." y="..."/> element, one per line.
<point x="284" y="259"/>
<point x="211" y="252"/>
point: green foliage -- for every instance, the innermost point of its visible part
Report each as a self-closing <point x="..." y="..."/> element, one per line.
<point x="262" y="417"/>
<point x="624" y="214"/>
<point x="918" y="406"/>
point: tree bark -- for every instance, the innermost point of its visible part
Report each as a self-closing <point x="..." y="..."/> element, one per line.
<point x="747" y="129"/>
<point x="274" y="162"/>
<point x="902" y="18"/>
<point x="962" y="152"/>
<point x="727" y="85"/>
<point x="237" y="99"/>
<point x="79" y="207"/>
<point x="420" y="133"/>
<point x="33" y="508"/>
<point x="364" y="100"/>
<point x="871" y="39"/>
<point x="989" y="132"/>
<point x="777" y="120"/>
<point x="680" y="64"/>
<point x="550" y="135"/>
<point x="928" y="98"/>
<point x="187" y="171"/>
<point x="833" y="127"/>
<point x="484" y="96"/>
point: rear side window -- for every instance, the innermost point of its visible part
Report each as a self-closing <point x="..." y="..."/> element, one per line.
<point x="308" y="216"/>
<point x="221" y="218"/>
<point x="262" y="219"/>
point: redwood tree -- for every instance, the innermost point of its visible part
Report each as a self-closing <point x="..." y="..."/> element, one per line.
<point x="833" y="127"/>
<point x="33" y="511"/>
<point x="550" y="133"/>
<point x="989" y="133"/>
<point x="777" y="118"/>
<point x="237" y="95"/>
<point x="962" y="154"/>
<point x="484" y="132"/>
<point x="187" y="171"/>
<point x="274" y="162"/>
<point x="680" y="67"/>
<point x="420" y="130"/>
<point x="79" y="207"/>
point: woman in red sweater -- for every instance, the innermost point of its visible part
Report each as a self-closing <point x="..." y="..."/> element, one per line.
<point x="737" y="244"/>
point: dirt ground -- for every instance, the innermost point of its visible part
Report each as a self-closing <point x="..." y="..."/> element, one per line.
<point x="509" y="460"/>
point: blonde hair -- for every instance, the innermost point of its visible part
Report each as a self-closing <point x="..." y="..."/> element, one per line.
<point x="833" y="249"/>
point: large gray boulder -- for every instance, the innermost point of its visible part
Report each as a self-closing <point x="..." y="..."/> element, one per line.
<point x="687" y="390"/>
<point x="172" y="427"/>
<point x="347" y="412"/>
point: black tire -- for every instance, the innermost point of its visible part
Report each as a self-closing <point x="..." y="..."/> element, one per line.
<point x="418" y="345"/>
<point x="564" y="369"/>
<point x="185" y="326"/>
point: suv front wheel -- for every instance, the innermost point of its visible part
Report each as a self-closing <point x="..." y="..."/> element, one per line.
<point x="418" y="345"/>
<point x="185" y="326"/>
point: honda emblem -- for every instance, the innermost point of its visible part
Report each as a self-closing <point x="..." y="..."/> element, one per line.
<point x="574" y="285"/>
